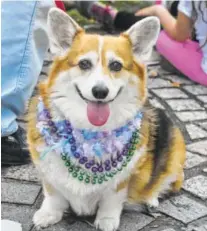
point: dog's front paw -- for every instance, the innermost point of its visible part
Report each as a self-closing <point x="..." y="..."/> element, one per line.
<point x="107" y="223"/>
<point x="153" y="203"/>
<point x="43" y="218"/>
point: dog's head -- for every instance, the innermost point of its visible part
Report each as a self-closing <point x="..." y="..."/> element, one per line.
<point x="97" y="81"/>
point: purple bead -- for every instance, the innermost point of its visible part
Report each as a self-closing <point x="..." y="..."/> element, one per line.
<point x="50" y="123"/>
<point x="71" y="140"/>
<point x="120" y="158"/>
<point x="59" y="135"/>
<point x="119" y="154"/>
<point x="69" y="130"/>
<point x="107" y="162"/>
<point x="47" y="114"/>
<point x="99" y="135"/>
<point x="77" y="155"/>
<point x="83" y="160"/>
<point x="113" y="159"/>
<point x="94" y="169"/>
<point x="67" y="123"/>
<point x="100" y="169"/>
<point x="95" y="135"/>
<point x="87" y="165"/>
<point x="54" y="129"/>
<point x="114" y="164"/>
<point x="105" y="134"/>
<point x="65" y="136"/>
<point x="107" y="167"/>
<point x="130" y="123"/>
<point x="92" y="162"/>
<point x="124" y="152"/>
<point x="128" y="145"/>
<point x="73" y="148"/>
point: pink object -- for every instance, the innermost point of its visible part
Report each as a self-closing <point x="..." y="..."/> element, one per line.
<point x="158" y="2"/>
<point x="60" y="4"/>
<point x="185" y="56"/>
<point x="98" y="113"/>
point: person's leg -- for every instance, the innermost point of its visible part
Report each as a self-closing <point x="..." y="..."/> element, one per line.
<point x="24" y="43"/>
<point x="186" y="57"/>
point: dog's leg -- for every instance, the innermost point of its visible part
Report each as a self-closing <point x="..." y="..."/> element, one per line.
<point x="176" y="186"/>
<point x="52" y="208"/>
<point x="110" y="208"/>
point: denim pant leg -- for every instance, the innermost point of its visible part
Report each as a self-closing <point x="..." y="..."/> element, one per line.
<point x="24" y="43"/>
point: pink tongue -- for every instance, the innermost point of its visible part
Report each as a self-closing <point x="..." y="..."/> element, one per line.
<point x="98" y="113"/>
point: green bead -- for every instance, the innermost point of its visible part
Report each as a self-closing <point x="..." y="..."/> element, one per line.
<point x="124" y="164"/>
<point x="75" y="174"/>
<point x="114" y="172"/>
<point x="108" y="174"/>
<point x="105" y="178"/>
<point x="120" y="168"/>
<point x="133" y="147"/>
<point x="93" y="181"/>
<point x="82" y="173"/>
<point x="87" y="180"/>
<point x="70" y="169"/>
<point x="130" y="153"/>
<point x="135" y="141"/>
<point x="128" y="158"/>
<point x="100" y="180"/>
<point x="80" y="178"/>
<point x="63" y="157"/>
<point x="67" y="163"/>
<point x="77" y="169"/>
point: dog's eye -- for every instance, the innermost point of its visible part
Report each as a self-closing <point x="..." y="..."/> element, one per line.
<point x="85" y="64"/>
<point x="115" y="66"/>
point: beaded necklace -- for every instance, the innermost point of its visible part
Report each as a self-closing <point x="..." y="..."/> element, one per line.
<point x="90" y="156"/>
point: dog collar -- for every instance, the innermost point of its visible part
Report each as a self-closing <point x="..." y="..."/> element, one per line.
<point x="91" y="156"/>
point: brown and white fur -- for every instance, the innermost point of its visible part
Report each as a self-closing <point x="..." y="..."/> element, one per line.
<point x="157" y="165"/>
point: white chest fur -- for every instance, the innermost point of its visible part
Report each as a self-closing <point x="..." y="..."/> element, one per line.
<point x="81" y="196"/>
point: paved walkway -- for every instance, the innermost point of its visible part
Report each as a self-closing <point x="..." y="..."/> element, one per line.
<point x="186" y="103"/>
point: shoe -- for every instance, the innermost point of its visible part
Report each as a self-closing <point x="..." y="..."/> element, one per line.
<point x="14" y="149"/>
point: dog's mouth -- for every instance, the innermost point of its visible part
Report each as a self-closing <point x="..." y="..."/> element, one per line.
<point x="97" y="101"/>
<point x="97" y="111"/>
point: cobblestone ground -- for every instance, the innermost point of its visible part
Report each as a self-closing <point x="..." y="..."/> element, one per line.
<point x="186" y="103"/>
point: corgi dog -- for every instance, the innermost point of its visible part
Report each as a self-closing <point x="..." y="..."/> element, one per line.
<point x="94" y="138"/>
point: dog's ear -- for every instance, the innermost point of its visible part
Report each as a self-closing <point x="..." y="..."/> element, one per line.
<point x="62" y="30"/>
<point x="143" y="36"/>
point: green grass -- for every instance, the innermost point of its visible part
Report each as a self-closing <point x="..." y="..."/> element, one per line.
<point x="130" y="5"/>
<point x="80" y="19"/>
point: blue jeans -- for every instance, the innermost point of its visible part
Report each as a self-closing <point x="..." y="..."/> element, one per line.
<point x="24" y="43"/>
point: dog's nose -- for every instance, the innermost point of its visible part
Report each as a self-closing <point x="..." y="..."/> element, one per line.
<point x="100" y="92"/>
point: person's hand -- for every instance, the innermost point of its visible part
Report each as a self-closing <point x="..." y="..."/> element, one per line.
<point x="149" y="11"/>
